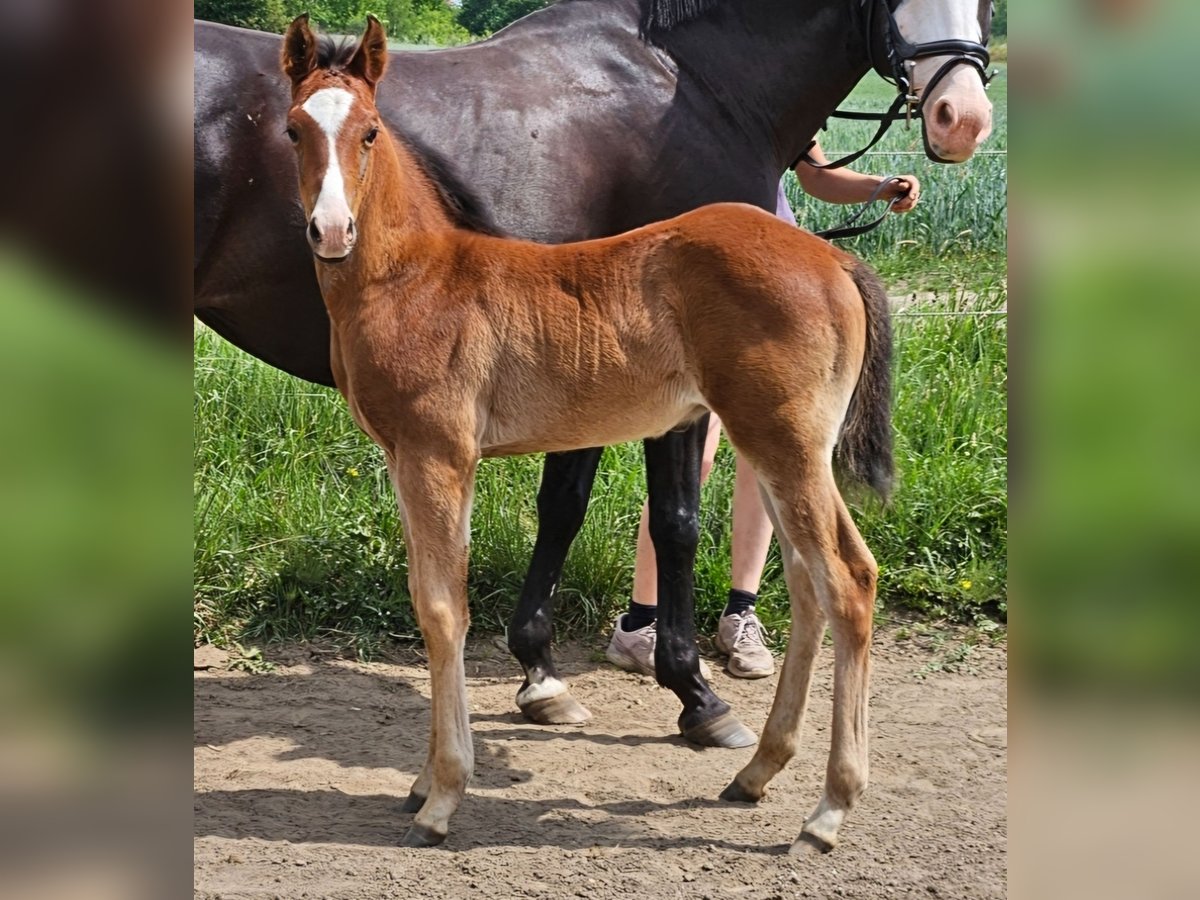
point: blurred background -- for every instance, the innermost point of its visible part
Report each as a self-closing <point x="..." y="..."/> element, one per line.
<point x="1104" y="487"/>
<point x="94" y="499"/>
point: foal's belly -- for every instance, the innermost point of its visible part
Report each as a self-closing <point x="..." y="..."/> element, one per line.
<point x="594" y="422"/>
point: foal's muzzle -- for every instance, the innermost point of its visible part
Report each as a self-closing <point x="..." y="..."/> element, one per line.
<point x="331" y="240"/>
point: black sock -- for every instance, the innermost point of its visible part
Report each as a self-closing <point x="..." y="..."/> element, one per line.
<point x="740" y="602"/>
<point x="640" y="615"/>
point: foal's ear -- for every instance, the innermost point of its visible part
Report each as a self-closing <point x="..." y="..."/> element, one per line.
<point x="299" y="50"/>
<point x="371" y="57"/>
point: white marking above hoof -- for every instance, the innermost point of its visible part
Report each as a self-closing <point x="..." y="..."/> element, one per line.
<point x="543" y="690"/>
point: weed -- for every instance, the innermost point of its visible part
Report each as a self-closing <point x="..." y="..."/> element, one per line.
<point x="248" y="659"/>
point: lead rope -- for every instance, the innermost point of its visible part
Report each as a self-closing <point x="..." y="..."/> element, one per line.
<point x="848" y="229"/>
<point x="885" y="121"/>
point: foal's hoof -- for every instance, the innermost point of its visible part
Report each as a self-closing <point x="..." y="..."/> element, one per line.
<point x="735" y="793"/>
<point x="561" y="709"/>
<point x="420" y="836"/>
<point x="723" y="731"/>
<point x="412" y="803"/>
<point x="809" y="845"/>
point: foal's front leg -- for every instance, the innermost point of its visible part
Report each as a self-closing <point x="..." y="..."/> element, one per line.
<point x="561" y="503"/>
<point x="673" y="479"/>
<point x="435" y="491"/>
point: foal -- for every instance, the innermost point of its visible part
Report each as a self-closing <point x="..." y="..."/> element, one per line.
<point x="449" y="344"/>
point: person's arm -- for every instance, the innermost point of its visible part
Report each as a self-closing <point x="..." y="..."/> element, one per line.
<point x="846" y="186"/>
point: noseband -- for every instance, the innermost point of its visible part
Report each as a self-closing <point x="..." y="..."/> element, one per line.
<point x="899" y="57"/>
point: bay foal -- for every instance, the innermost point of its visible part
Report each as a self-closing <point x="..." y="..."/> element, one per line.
<point x="450" y="344"/>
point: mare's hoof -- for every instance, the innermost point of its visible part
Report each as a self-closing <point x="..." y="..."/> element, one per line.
<point x="723" y="731"/>
<point x="809" y="845"/>
<point x="738" y="794"/>
<point x="412" y="803"/>
<point x="561" y="709"/>
<point x="420" y="836"/>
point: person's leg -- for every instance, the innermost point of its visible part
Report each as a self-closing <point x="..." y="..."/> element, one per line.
<point x="739" y="632"/>
<point x="751" y="531"/>
<point x="634" y="637"/>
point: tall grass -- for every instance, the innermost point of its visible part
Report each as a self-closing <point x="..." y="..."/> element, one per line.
<point x="296" y="533"/>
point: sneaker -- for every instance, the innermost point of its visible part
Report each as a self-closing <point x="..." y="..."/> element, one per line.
<point x="741" y="636"/>
<point x="633" y="651"/>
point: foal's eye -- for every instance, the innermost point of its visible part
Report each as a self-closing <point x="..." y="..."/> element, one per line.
<point x="371" y="135"/>
<point x="291" y="134"/>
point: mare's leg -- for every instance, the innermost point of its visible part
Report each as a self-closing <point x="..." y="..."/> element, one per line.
<point x="435" y="490"/>
<point x="673" y="479"/>
<point x="562" y="502"/>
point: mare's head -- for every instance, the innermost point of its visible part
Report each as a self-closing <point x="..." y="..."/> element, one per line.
<point x="333" y="125"/>
<point x="957" y="112"/>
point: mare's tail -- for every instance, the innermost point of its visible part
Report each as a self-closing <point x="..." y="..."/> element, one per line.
<point x="864" y="447"/>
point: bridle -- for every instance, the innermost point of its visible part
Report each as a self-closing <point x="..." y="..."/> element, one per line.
<point x="898" y="56"/>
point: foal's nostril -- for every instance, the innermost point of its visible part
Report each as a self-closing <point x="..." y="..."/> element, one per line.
<point x="314" y="232"/>
<point x="350" y="230"/>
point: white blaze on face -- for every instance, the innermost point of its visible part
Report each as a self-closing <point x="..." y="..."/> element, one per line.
<point x="923" y="21"/>
<point x="958" y="115"/>
<point x="329" y="108"/>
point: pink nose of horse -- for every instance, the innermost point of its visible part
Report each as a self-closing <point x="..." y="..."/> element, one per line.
<point x="331" y="240"/>
<point x="955" y="130"/>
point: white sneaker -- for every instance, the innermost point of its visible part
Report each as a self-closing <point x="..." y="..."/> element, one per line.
<point x="741" y="636"/>
<point x="633" y="651"/>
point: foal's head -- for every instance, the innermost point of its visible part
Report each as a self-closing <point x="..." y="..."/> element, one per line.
<point x="333" y="124"/>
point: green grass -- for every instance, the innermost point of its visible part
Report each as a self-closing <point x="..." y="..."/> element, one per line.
<point x="296" y="533"/>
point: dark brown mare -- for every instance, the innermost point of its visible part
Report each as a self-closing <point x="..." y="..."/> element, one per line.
<point x="450" y="344"/>
<point x="583" y="120"/>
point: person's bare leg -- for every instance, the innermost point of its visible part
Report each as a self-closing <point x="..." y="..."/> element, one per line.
<point x="739" y="632"/>
<point x="645" y="571"/>
<point x="751" y="530"/>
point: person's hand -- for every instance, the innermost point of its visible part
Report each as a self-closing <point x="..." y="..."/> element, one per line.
<point x="908" y="189"/>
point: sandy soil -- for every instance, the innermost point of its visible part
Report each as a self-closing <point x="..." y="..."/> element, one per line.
<point x="299" y="775"/>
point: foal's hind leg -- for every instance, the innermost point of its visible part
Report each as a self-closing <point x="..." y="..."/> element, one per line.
<point x="842" y="571"/>
<point x="673" y="477"/>
<point x="436" y="490"/>
<point x="781" y="735"/>
<point x="562" y="501"/>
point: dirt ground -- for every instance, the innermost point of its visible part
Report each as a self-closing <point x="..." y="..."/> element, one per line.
<point x="299" y="775"/>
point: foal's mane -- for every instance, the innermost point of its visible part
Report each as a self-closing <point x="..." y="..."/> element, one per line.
<point x="460" y="202"/>
<point x="335" y="53"/>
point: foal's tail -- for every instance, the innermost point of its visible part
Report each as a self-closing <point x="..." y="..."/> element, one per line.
<point x="864" y="447"/>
